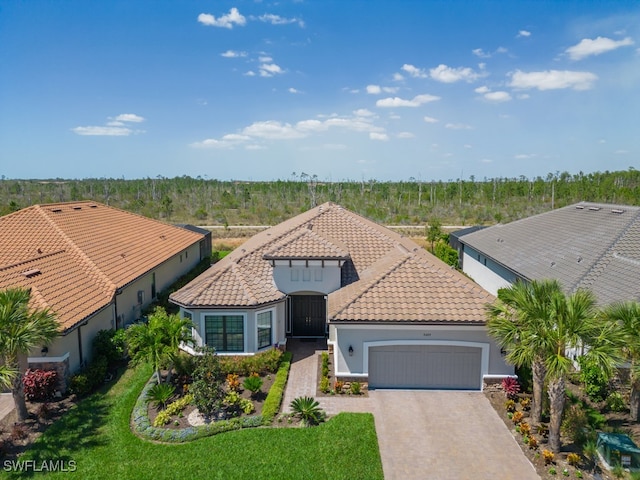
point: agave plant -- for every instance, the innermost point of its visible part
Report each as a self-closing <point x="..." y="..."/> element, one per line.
<point x="160" y="394"/>
<point x="308" y="409"/>
<point x="253" y="384"/>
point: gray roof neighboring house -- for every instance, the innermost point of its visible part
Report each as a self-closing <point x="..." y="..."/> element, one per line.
<point x="586" y="245"/>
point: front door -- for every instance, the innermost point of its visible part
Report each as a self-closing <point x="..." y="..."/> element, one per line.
<point x="308" y="315"/>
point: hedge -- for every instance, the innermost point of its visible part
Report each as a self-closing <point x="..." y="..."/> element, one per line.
<point x="272" y="403"/>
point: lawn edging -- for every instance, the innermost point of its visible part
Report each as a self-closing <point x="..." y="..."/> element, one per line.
<point x="141" y="424"/>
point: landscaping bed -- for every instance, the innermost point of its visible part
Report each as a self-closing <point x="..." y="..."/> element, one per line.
<point x="328" y="384"/>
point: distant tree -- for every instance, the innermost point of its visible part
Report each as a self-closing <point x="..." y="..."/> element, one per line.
<point x="434" y="232"/>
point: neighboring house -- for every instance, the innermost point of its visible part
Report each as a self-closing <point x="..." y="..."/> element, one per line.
<point x="588" y="245"/>
<point x="395" y="315"/>
<point x="95" y="266"/>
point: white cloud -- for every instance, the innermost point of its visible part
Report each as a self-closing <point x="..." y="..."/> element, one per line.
<point x="482" y="90"/>
<point x="225" y="21"/>
<point x="480" y="53"/>
<point x="115" y="124"/>
<point x="498" y="96"/>
<point x="378" y="136"/>
<point x="397" y="77"/>
<point x="265" y="59"/>
<point x="458" y="126"/>
<point x="363" y="112"/>
<point x="103" y="131"/>
<point x="234" y="137"/>
<point x="600" y="45"/>
<point x="209" y="143"/>
<point x="250" y="73"/>
<point x="374" y="89"/>
<point x="553" y="80"/>
<point x="400" y="102"/>
<point x="272" y="130"/>
<point x="443" y="73"/>
<point x="414" y="71"/>
<point x="129" y="117"/>
<point x="255" y="147"/>
<point x="278" y="20"/>
<point x="270" y="69"/>
<point x="431" y="120"/>
<point x="293" y="90"/>
<point x="233" y="54"/>
<point x="523" y="33"/>
<point x="621" y="152"/>
<point x="486" y="160"/>
<point x="524" y="156"/>
<point x="405" y="135"/>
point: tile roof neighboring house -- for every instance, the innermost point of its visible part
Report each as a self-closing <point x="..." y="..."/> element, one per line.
<point x="587" y="245"/>
<point x="397" y="281"/>
<point x="74" y="256"/>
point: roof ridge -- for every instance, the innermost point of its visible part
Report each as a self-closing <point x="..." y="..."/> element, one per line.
<point x="243" y="281"/>
<point x="374" y="281"/>
<point x="93" y="268"/>
<point x="588" y="278"/>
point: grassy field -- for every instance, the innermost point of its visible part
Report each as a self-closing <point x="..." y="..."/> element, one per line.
<point x="96" y="436"/>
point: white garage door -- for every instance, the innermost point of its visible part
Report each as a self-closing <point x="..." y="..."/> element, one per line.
<point x="425" y="366"/>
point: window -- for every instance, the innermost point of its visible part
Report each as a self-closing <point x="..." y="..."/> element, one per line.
<point x="225" y="333"/>
<point x="188" y="316"/>
<point x="264" y="328"/>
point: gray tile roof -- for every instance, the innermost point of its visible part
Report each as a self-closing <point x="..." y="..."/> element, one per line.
<point x="587" y="245"/>
<point x="388" y="277"/>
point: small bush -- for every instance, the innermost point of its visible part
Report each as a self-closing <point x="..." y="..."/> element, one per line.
<point x="547" y="456"/>
<point x="525" y="429"/>
<point x="160" y="394"/>
<point x="274" y="398"/>
<point x="525" y="403"/>
<point x="308" y="409"/>
<point x="253" y="384"/>
<point x="616" y="403"/>
<point x="162" y="419"/>
<point x="532" y="442"/>
<point x="575" y="423"/>
<point x="184" y="364"/>
<point x="97" y="371"/>
<point x="233" y="383"/>
<point x="324" y="385"/>
<point x="79" y="384"/>
<point x="355" y="388"/>
<point x="596" y="383"/>
<point x="573" y="459"/>
<point x="39" y="384"/>
<point x="510" y="405"/>
<point x="517" y="417"/>
<point x="511" y="387"/>
<point x="109" y="344"/>
<point x="553" y="471"/>
<point x="337" y="386"/>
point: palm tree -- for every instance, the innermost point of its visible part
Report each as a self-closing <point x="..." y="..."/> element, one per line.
<point x="627" y="316"/>
<point x="158" y="339"/>
<point x="22" y="329"/>
<point x="517" y="321"/>
<point x="575" y="325"/>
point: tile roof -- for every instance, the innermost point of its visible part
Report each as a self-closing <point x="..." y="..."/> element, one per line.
<point x="587" y="245"/>
<point x="397" y="281"/>
<point x="75" y="255"/>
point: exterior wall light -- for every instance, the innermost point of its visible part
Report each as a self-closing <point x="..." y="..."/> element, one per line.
<point x="350" y="351"/>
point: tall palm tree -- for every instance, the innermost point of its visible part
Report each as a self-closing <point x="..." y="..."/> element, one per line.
<point x="158" y="339"/>
<point x="22" y="329"/>
<point x="517" y="320"/>
<point x="626" y="315"/>
<point x="575" y="325"/>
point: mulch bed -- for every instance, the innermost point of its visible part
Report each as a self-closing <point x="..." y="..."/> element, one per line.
<point x="364" y="392"/>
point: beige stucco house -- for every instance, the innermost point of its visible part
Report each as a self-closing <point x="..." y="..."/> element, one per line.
<point x="94" y="266"/>
<point x="395" y="315"/>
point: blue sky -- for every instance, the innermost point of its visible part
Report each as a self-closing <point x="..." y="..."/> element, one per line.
<point x="344" y="90"/>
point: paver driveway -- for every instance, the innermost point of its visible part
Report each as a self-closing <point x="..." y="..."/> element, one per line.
<point x="423" y="434"/>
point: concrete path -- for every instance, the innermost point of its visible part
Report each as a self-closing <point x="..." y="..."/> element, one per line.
<point x="6" y="405"/>
<point x="422" y="433"/>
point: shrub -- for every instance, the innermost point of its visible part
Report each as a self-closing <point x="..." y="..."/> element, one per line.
<point x="553" y="471"/>
<point x="616" y="403"/>
<point x="253" y="384"/>
<point x="337" y="386"/>
<point x="162" y="419"/>
<point x="264" y="362"/>
<point x="79" y="384"/>
<point x="510" y="405"/>
<point x="207" y="390"/>
<point x="97" y="371"/>
<point x="596" y="383"/>
<point x="447" y="254"/>
<point x="39" y="384"/>
<point x="511" y="387"/>
<point x="184" y="364"/>
<point x="532" y="442"/>
<point x="525" y="429"/>
<point x="233" y="383"/>
<point x="324" y="385"/>
<point x="355" y="388"/>
<point x="525" y="403"/>
<point x="160" y="394"/>
<point x="575" y="423"/>
<point x="308" y="409"/>
<point x="573" y="459"/>
<point x="179" y="405"/>
<point x="547" y="456"/>
<point x="109" y="344"/>
<point x="517" y="417"/>
<point x="274" y="398"/>
<point x="247" y="406"/>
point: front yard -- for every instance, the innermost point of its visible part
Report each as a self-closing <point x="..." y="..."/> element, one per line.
<point x="96" y="436"/>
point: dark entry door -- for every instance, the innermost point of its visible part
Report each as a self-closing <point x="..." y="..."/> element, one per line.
<point x="309" y="315"/>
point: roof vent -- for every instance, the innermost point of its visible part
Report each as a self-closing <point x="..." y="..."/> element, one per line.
<point x="77" y="208"/>
<point x="40" y="251"/>
<point x="310" y="226"/>
<point x="617" y="210"/>
<point x="579" y="258"/>
<point x="579" y="207"/>
<point x="93" y="206"/>
<point x="32" y="273"/>
<point x="553" y="264"/>
<point x="163" y="237"/>
<point x="56" y="210"/>
<point x="594" y="209"/>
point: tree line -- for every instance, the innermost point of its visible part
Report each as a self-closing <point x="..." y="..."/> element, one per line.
<point x="205" y="201"/>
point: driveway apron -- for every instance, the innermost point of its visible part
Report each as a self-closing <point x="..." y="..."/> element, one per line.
<point x="422" y="434"/>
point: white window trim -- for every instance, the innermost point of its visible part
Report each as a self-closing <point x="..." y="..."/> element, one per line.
<point x="225" y="313"/>
<point x="273" y="322"/>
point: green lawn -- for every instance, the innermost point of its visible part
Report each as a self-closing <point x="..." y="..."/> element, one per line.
<point x="97" y="437"/>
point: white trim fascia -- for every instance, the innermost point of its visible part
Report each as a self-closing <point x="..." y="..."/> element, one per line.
<point x="404" y="326"/>
<point x="349" y="374"/>
<point x="59" y="359"/>
<point x="191" y="351"/>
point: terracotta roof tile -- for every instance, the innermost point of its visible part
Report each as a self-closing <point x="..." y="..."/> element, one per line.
<point x="397" y="280"/>
<point x="84" y="251"/>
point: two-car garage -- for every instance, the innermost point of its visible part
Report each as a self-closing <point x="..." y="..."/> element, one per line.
<point x="425" y="366"/>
